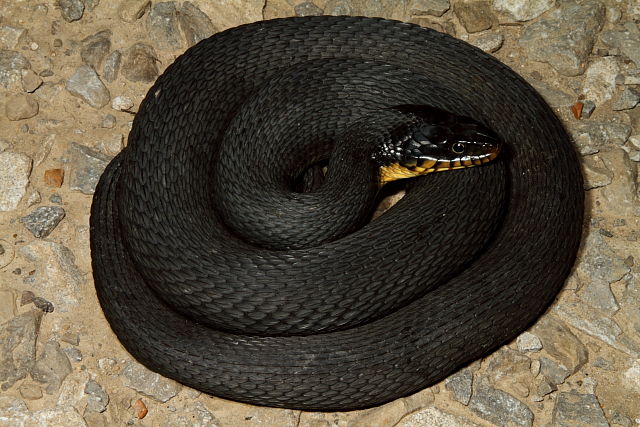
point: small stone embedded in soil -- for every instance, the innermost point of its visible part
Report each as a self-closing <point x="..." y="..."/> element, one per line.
<point x="139" y="63"/>
<point x="121" y="103"/>
<point x="428" y="7"/>
<point x="627" y="42"/>
<point x="627" y="100"/>
<point x="552" y="371"/>
<point x="194" y="23"/>
<point x="590" y="136"/>
<point x="489" y="42"/>
<point x="30" y="81"/>
<point x="578" y="410"/>
<point x="15" y="169"/>
<point x="55" y="198"/>
<point x="108" y="121"/>
<point x="140" y="408"/>
<point x="18" y="347"/>
<point x="11" y="36"/>
<point x="499" y="407"/>
<point x="600" y="79"/>
<point x="43" y="220"/>
<point x="30" y="391"/>
<point x="560" y="343"/>
<point x="523" y="10"/>
<point x="86" y="85"/>
<point x="112" y="66"/>
<point x="86" y="168"/>
<point x="149" y="383"/>
<point x="71" y="10"/>
<point x="162" y="26"/>
<point x="98" y="398"/>
<point x="131" y="10"/>
<point x="460" y="385"/>
<point x="432" y="417"/>
<point x="21" y="107"/>
<point x="11" y="66"/>
<point x="7" y="301"/>
<point x="53" y="177"/>
<point x="475" y="15"/>
<point x="95" y="48"/>
<point x="307" y="8"/>
<point x="74" y="354"/>
<point x="528" y="342"/>
<point x="52" y="367"/>
<point x="43" y="305"/>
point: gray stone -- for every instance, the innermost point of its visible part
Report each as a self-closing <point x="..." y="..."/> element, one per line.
<point x="55" y="264"/>
<point x="149" y="383"/>
<point x="21" y="107"/>
<point x="131" y="10"/>
<point x="122" y="103"/>
<point x="510" y="370"/>
<point x="307" y="8"/>
<point x="113" y="145"/>
<point x="139" y="63"/>
<point x="98" y="398"/>
<point x="578" y="410"/>
<point x="18" y="347"/>
<point x="162" y="26"/>
<point x="434" y="417"/>
<point x="10" y="36"/>
<point x="108" y="121"/>
<point x="560" y="344"/>
<point x="71" y="10"/>
<point x="460" y="385"/>
<point x="475" y="15"/>
<point x="95" y="48"/>
<point x="112" y="66"/>
<point x="556" y="98"/>
<point x="15" y="413"/>
<point x="543" y="388"/>
<point x="87" y="166"/>
<point x="523" y="10"/>
<point x="627" y="42"/>
<point x="499" y="407"/>
<point x="30" y="81"/>
<point x="52" y="367"/>
<point x="627" y="100"/>
<point x="11" y="66"/>
<point x="15" y="169"/>
<point x="587" y="108"/>
<point x="86" y="85"/>
<point x="599" y="84"/>
<point x="48" y="91"/>
<point x="338" y="7"/>
<point x="43" y="220"/>
<point x="632" y="377"/>
<point x="591" y="137"/>
<point x="552" y="371"/>
<point x="528" y="342"/>
<point x="194" y="23"/>
<point x="428" y="7"/>
<point x="73" y="354"/>
<point x="564" y="38"/>
<point x="44" y="149"/>
<point x="622" y="192"/>
<point x="489" y="42"/>
<point x="197" y="416"/>
<point x="91" y="4"/>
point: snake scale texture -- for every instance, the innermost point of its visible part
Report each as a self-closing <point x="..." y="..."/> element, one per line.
<point x="465" y="262"/>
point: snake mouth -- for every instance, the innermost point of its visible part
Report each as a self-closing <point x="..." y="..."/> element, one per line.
<point x="417" y="167"/>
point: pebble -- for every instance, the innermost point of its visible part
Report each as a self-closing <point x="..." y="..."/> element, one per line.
<point x="194" y="23"/>
<point x="428" y="7"/>
<point x="139" y="378"/>
<point x="54" y="177"/>
<point x="11" y="36"/>
<point x="112" y="66"/>
<point x="87" y="166"/>
<point x="21" y="107"/>
<point x="113" y="145"/>
<point x="553" y="372"/>
<point x="16" y="413"/>
<point x="18" y="347"/>
<point x="131" y="10"/>
<point x="11" y="66"/>
<point x="499" y="407"/>
<point x="55" y="198"/>
<point x="474" y="15"/>
<point x="108" y="121"/>
<point x="460" y="385"/>
<point x="576" y="410"/>
<point x="434" y="417"/>
<point x="556" y="98"/>
<point x="74" y="354"/>
<point x="162" y="26"/>
<point x="565" y="37"/>
<point x="139" y="63"/>
<point x="71" y="10"/>
<point x="599" y="84"/>
<point x="523" y="10"/>
<point x="307" y="8"/>
<point x="95" y="48"/>
<point x="632" y="377"/>
<point x="54" y="263"/>
<point x="30" y="81"/>
<point x="528" y="342"/>
<point x="43" y="220"/>
<point x="588" y="107"/>
<point x="627" y="42"/>
<point x="121" y="103"/>
<point x="48" y="91"/>
<point x="30" y="391"/>
<point x="591" y="136"/>
<point x="15" y="169"/>
<point x="338" y="7"/>
<point x="86" y="85"/>
<point x="98" y="398"/>
<point x="7" y="296"/>
<point x="627" y="100"/>
<point x="510" y="370"/>
<point x="52" y="367"/>
<point x="140" y="408"/>
<point x="560" y="344"/>
<point x="488" y="42"/>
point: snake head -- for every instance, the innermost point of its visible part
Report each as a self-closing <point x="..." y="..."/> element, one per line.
<point x="433" y="140"/>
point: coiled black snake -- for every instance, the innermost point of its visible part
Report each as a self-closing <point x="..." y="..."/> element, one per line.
<point x="461" y="265"/>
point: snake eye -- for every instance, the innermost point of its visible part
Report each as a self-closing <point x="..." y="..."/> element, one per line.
<point x="458" y="148"/>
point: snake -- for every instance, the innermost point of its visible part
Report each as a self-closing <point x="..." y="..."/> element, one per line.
<point x="216" y="265"/>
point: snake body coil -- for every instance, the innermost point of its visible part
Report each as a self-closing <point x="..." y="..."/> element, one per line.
<point x="461" y="265"/>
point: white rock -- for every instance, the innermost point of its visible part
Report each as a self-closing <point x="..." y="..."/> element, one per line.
<point x="523" y="10"/>
<point x="14" y="177"/>
<point x="121" y="103"/>
<point x="528" y="342"/>
<point x="632" y="375"/>
<point x="600" y="80"/>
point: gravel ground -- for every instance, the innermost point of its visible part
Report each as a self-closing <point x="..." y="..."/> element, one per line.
<point x="72" y="75"/>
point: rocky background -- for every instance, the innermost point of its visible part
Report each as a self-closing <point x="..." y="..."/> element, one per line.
<point x="72" y="75"/>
